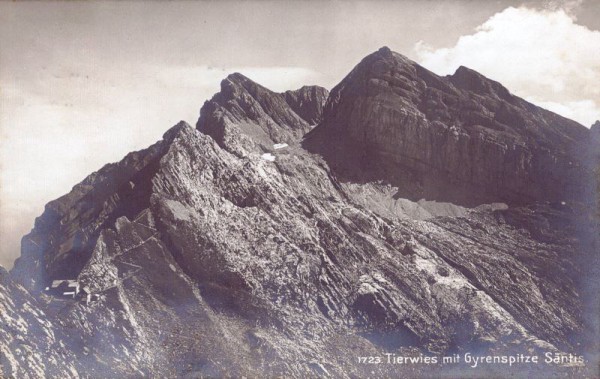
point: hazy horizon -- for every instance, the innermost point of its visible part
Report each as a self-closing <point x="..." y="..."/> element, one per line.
<point x="84" y="83"/>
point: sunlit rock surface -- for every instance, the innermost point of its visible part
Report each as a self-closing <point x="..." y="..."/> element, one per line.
<point x="238" y="248"/>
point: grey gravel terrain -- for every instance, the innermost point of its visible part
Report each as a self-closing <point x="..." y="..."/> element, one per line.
<point x="290" y="234"/>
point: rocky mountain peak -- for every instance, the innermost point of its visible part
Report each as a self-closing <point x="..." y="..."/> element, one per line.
<point x="385" y="53"/>
<point x="381" y="62"/>
<point x="247" y="247"/>
<point x="236" y="84"/>
<point x="171" y="133"/>
<point x="236" y="77"/>
<point x="423" y="133"/>
<point x="248" y="113"/>
<point x="64" y="236"/>
<point x="384" y="50"/>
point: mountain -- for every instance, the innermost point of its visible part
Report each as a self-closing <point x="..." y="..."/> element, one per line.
<point x="461" y="138"/>
<point x="259" y="115"/>
<point x="290" y="234"/>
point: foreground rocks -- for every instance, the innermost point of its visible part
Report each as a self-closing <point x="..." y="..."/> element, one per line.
<point x="32" y="345"/>
<point x="238" y="249"/>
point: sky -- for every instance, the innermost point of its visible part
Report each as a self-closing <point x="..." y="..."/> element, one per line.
<point x="84" y="83"/>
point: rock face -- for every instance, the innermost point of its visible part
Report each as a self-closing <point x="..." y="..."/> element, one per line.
<point x="595" y="132"/>
<point x="261" y="116"/>
<point x="64" y="235"/>
<point x="461" y="138"/>
<point x="231" y="250"/>
<point x="308" y="102"/>
<point x="31" y="345"/>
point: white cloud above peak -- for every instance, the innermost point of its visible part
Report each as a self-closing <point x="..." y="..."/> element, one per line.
<point x="543" y="56"/>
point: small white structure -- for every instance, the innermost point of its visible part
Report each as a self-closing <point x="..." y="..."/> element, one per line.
<point x="278" y="146"/>
<point x="268" y="157"/>
<point x="64" y="287"/>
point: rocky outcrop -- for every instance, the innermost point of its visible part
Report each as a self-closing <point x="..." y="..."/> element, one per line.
<point x="229" y="250"/>
<point x="62" y="240"/>
<point x="461" y="138"/>
<point x="308" y="103"/>
<point x="259" y="116"/>
<point x="31" y="345"/>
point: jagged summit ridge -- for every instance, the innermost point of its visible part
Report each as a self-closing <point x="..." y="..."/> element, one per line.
<point x="198" y="257"/>
<point x="63" y="237"/>
<point x="244" y="109"/>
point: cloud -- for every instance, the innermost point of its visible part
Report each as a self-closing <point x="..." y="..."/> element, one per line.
<point x="541" y="55"/>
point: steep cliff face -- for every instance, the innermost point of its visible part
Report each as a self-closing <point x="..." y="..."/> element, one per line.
<point x="64" y="235"/>
<point x="259" y="116"/>
<point x="308" y="102"/>
<point x="462" y="138"/>
<point x="230" y="250"/>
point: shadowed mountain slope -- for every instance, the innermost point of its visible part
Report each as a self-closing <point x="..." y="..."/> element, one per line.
<point x="461" y="138"/>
